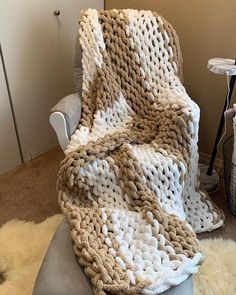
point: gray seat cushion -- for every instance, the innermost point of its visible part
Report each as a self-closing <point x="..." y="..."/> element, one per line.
<point x="60" y="274"/>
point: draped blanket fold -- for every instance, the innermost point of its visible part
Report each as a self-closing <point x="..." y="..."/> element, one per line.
<point x="129" y="183"/>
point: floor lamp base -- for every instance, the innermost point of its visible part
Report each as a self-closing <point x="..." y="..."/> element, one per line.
<point x="208" y="182"/>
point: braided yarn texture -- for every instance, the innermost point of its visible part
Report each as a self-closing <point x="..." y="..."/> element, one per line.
<point x="129" y="182"/>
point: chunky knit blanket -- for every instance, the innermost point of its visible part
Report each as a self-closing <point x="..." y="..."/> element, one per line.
<point x="129" y="183"/>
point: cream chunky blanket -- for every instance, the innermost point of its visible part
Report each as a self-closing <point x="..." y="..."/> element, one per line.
<point x="129" y="183"/>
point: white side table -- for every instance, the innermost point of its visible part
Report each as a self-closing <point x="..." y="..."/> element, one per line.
<point x="209" y="177"/>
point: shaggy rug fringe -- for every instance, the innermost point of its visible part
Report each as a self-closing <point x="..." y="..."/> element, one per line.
<point x="217" y="274"/>
<point x="23" y="246"/>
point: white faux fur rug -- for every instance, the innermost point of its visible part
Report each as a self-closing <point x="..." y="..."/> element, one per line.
<point x="23" y="245"/>
<point x="217" y="275"/>
<point x="22" y="248"/>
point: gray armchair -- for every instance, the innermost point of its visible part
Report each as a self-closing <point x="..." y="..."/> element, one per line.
<point x="64" y="118"/>
<point x="60" y="273"/>
<point x="65" y="115"/>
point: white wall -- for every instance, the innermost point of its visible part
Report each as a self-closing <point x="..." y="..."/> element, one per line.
<point x="38" y="52"/>
<point x="9" y="151"/>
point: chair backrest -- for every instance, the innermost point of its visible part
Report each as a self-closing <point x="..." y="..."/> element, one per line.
<point x="166" y="38"/>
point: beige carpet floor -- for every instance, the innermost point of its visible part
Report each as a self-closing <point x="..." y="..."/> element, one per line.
<point x="29" y="193"/>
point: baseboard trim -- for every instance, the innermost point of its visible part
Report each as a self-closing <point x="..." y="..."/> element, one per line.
<point x="218" y="165"/>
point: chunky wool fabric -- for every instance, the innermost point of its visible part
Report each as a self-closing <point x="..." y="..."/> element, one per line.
<point x="129" y="183"/>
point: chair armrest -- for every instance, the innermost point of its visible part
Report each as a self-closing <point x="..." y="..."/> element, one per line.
<point x="70" y="107"/>
<point x="64" y="118"/>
